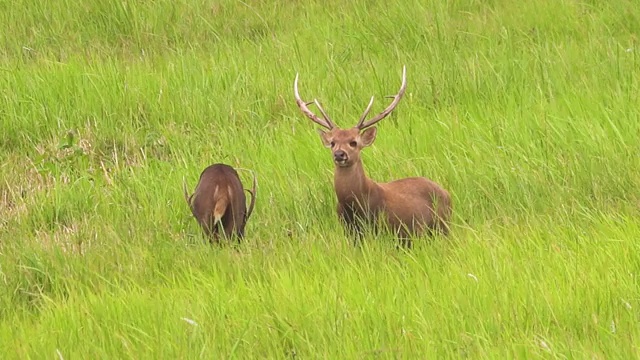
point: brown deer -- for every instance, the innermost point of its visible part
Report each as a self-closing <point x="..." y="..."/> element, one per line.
<point x="408" y="207"/>
<point x="219" y="202"/>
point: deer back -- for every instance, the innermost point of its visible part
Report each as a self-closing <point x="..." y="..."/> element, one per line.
<point x="415" y="205"/>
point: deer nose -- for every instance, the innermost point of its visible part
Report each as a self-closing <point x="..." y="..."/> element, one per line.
<point x="340" y="155"/>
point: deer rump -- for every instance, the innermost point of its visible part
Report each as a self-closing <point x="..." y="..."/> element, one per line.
<point x="219" y="203"/>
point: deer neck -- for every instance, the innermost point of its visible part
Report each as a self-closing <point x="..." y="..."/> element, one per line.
<point x="352" y="184"/>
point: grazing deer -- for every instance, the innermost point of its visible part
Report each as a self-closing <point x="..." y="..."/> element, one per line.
<point x="409" y="206"/>
<point x="219" y="202"/>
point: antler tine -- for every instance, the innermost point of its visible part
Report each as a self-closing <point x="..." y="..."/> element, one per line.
<point x="187" y="198"/>
<point x="252" y="204"/>
<point x="324" y="114"/>
<point x="252" y="192"/>
<point x="365" y="113"/>
<point x="305" y="109"/>
<point x="396" y="99"/>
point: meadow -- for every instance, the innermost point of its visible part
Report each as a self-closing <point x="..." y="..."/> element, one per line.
<point x="526" y="112"/>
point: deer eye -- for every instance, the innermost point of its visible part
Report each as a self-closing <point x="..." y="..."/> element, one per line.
<point x="332" y="144"/>
<point x="353" y="144"/>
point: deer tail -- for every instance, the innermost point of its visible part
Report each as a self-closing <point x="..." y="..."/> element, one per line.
<point x="221" y="201"/>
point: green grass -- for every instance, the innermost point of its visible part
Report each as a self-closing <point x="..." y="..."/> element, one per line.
<point x="527" y="112"/>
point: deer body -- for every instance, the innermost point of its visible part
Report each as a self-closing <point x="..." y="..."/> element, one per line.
<point x="219" y="203"/>
<point x="409" y="206"/>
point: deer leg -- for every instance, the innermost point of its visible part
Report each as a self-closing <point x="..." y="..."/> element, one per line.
<point x="212" y="231"/>
<point x="405" y="242"/>
<point x="403" y="234"/>
<point x="357" y="235"/>
<point x="227" y="226"/>
<point x="354" y="231"/>
<point x="351" y="223"/>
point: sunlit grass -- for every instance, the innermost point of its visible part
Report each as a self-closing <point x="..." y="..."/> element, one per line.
<point x="526" y="113"/>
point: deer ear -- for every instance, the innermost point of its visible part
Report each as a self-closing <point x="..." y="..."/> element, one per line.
<point x="368" y="136"/>
<point x="324" y="136"/>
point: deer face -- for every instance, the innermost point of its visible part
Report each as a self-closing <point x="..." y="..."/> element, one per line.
<point x="346" y="145"/>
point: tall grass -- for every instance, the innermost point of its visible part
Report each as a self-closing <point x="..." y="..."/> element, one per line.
<point x="526" y="112"/>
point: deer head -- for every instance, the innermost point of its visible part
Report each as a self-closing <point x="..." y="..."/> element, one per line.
<point x="346" y="144"/>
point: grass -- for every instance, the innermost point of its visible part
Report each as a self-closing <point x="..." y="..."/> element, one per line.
<point x="527" y="113"/>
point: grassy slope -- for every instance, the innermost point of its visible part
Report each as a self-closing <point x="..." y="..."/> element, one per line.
<point x="527" y="113"/>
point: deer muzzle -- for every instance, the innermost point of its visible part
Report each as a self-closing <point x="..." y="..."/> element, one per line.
<point x="340" y="157"/>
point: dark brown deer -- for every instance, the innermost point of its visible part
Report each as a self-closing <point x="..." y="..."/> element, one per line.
<point x="408" y="207"/>
<point x="219" y="202"/>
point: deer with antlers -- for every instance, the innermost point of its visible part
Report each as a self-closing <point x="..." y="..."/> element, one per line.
<point x="219" y="203"/>
<point x="409" y="207"/>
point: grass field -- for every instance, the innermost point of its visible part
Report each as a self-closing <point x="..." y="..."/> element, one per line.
<point x="527" y="112"/>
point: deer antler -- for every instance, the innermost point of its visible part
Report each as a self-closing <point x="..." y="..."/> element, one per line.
<point x="187" y="197"/>
<point x="252" y="192"/>
<point x="325" y="122"/>
<point x="252" y="203"/>
<point x="396" y="99"/>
